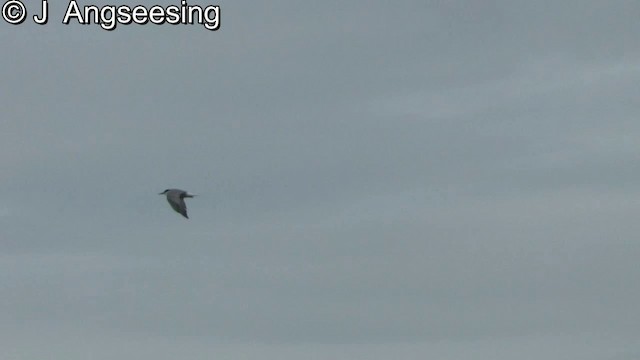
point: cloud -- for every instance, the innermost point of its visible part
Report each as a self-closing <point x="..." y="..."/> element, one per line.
<point x="440" y="179"/>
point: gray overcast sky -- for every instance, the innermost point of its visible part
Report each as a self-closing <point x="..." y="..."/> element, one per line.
<point x="427" y="179"/>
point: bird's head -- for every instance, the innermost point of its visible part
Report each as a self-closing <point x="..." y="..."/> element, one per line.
<point x="164" y="192"/>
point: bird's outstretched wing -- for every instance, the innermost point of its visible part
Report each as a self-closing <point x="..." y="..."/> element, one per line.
<point x="177" y="203"/>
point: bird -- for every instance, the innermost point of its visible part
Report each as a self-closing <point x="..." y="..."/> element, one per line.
<point x="176" y="197"/>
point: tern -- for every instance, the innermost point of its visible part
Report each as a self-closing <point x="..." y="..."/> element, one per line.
<point x="176" y="197"/>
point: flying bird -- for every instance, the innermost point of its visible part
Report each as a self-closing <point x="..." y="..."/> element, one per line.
<point x="176" y="197"/>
